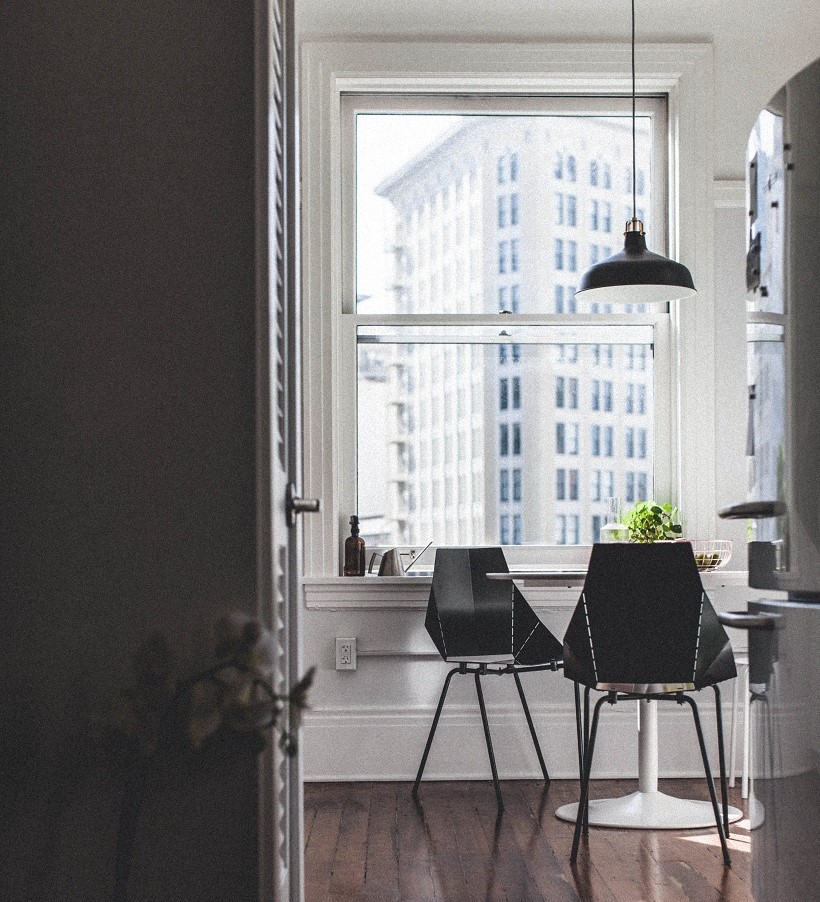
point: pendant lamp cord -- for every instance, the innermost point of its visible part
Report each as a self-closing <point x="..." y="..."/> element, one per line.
<point x="634" y="202"/>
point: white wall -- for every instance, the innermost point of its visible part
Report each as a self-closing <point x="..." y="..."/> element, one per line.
<point x="757" y="46"/>
<point x="372" y="723"/>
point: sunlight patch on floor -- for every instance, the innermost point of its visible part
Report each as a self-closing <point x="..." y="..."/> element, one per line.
<point x="736" y="843"/>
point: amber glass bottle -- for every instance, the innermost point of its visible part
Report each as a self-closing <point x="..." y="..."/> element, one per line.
<point x="354" y="550"/>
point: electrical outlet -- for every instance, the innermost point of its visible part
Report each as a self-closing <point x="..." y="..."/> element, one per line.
<point x="345" y="654"/>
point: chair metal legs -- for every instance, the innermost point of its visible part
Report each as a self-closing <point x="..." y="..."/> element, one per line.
<point x="532" y="728"/>
<point x="709" y="781"/>
<point x="589" y="748"/>
<point x="478" y="673"/>
<point x="588" y="751"/>
<point x="443" y="695"/>
<point x="722" y="760"/>
<point x="579" y="736"/>
<point x="489" y="740"/>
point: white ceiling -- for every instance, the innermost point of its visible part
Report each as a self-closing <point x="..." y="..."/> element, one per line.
<point x="757" y="45"/>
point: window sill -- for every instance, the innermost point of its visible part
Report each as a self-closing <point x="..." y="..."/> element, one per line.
<point x="411" y="592"/>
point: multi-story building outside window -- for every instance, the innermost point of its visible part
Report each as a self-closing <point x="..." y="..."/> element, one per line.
<point x="572" y="386"/>
<point x="593" y="173"/>
<point x="630" y="397"/>
<point x="629" y="442"/>
<point x="516" y="395"/>
<point x="514" y="251"/>
<point x="629" y="487"/>
<point x="514" y="209"/>
<point x="608" y="441"/>
<point x="607" y="176"/>
<point x="451" y="217"/>
<point x="560" y="484"/>
<point x="516" y="484"/>
<point x="572" y="211"/>
<point x="566" y="529"/>
<point x="594" y="215"/>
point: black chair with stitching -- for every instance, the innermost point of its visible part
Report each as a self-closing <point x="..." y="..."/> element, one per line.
<point x="485" y="627"/>
<point x="644" y="628"/>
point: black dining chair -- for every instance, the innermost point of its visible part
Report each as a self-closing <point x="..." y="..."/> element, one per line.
<point x="485" y="627"/>
<point x="644" y="628"/>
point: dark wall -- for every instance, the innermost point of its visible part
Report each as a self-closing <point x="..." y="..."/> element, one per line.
<point x="127" y="410"/>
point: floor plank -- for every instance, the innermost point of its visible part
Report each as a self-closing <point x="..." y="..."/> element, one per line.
<point x="374" y="843"/>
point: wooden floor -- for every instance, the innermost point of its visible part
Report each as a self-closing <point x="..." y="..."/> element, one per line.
<point x="369" y="841"/>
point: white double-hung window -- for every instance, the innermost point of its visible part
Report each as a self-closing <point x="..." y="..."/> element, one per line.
<point x="429" y="352"/>
<point x="447" y="347"/>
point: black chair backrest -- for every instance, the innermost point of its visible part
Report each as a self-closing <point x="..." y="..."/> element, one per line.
<point x="469" y="614"/>
<point x="644" y="617"/>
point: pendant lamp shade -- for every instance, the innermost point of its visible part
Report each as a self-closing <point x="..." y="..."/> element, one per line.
<point x="635" y="275"/>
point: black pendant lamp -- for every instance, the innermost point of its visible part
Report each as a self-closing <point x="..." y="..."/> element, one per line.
<point x="635" y="274"/>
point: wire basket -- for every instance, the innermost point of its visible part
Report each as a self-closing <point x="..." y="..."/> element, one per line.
<point x="711" y="554"/>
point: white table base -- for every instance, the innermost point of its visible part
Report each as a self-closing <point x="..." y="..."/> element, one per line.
<point x="648" y="809"/>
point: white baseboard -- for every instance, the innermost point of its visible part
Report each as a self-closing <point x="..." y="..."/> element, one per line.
<point x="352" y="744"/>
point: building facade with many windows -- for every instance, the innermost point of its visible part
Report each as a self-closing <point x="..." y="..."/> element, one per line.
<point x="501" y="440"/>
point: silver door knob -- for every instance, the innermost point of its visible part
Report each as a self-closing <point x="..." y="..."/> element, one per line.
<point x="295" y="505"/>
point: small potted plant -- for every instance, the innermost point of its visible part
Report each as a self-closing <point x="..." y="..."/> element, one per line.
<point x="648" y="521"/>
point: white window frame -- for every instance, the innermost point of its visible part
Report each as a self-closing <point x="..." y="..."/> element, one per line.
<point x="683" y="72"/>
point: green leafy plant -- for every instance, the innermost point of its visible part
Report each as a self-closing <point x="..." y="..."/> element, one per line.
<point x="649" y="521"/>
